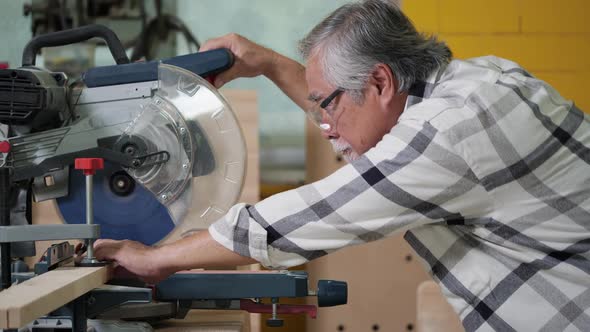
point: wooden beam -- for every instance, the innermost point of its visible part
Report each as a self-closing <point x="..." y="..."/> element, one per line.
<point x="6" y="298"/>
<point x="22" y="303"/>
<point x="434" y="313"/>
<point x="3" y="316"/>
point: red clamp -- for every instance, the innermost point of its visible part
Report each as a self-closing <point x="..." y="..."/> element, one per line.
<point x="253" y="307"/>
<point x="5" y="147"/>
<point x="89" y="165"/>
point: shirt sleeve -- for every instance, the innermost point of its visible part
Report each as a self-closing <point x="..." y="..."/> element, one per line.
<point x="411" y="178"/>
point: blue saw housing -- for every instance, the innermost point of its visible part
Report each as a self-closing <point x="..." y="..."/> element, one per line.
<point x="204" y="64"/>
<point x="138" y="216"/>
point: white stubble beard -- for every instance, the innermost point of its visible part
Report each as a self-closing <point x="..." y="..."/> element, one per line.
<point x="343" y="147"/>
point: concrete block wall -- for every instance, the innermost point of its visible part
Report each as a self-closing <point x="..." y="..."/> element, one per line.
<point x="550" y="38"/>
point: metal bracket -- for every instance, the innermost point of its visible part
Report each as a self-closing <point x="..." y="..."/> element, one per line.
<point x="55" y="255"/>
<point x="141" y="160"/>
<point x="10" y="234"/>
<point x="219" y="285"/>
<point x="108" y="297"/>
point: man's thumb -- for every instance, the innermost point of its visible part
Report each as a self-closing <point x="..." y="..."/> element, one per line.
<point x="218" y="82"/>
<point x="225" y="77"/>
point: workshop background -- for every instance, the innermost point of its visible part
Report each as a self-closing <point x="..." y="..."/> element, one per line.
<point x="549" y="38"/>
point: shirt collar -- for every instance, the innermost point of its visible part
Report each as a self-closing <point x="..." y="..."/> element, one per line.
<point x="421" y="90"/>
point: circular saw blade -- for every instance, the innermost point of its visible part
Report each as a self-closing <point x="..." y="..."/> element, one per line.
<point x="138" y="216"/>
<point x="188" y="119"/>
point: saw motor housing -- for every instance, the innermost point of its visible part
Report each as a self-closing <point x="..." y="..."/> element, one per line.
<point x="32" y="98"/>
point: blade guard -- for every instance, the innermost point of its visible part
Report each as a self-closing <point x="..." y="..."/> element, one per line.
<point x="205" y="172"/>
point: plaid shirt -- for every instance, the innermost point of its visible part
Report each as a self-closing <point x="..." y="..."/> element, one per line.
<point x="487" y="173"/>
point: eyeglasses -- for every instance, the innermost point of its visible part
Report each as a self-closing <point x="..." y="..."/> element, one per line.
<point x="320" y="115"/>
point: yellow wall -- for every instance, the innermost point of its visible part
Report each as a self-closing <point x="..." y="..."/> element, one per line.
<point x="550" y="38"/>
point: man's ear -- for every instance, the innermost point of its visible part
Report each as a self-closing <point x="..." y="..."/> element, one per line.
<point x="384" y="83"/>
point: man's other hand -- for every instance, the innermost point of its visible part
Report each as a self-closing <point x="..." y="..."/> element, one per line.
<point x="250" y="59"/>
<point x="137" y="258"/>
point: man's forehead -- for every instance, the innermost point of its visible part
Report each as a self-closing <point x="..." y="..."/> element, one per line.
<point x="313" y="70"/>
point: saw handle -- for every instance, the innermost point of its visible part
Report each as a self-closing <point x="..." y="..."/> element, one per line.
<point x="72" y="36"/>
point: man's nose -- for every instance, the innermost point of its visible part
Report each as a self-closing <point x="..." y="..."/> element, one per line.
<point x="330" y="133"/>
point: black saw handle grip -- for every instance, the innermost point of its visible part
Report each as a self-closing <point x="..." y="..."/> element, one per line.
<point x="72" y="36"/>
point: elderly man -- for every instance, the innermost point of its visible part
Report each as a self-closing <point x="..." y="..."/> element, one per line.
<point x="484" y="167"/>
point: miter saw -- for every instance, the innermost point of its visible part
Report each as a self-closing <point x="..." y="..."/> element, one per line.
<point x="164" y="145"/>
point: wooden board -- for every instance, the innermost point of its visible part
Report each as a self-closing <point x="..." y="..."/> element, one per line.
<point x="22" y="303"/>
<point x="435" y="314"/>
<point x="245" y="105"/>
<point x="207" y="321"/>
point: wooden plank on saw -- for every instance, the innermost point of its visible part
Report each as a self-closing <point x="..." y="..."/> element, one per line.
<point x="22" y="303"/>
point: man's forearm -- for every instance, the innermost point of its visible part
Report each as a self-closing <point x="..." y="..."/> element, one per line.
<point x="199" y="250"/>
<point x="289" y="76"/>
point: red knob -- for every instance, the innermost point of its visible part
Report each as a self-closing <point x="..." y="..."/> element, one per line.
<point x="4" y="147"/>
<point x="89" y="165"/>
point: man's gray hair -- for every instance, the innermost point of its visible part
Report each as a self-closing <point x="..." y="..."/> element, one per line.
<point x="358" y="36"/>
